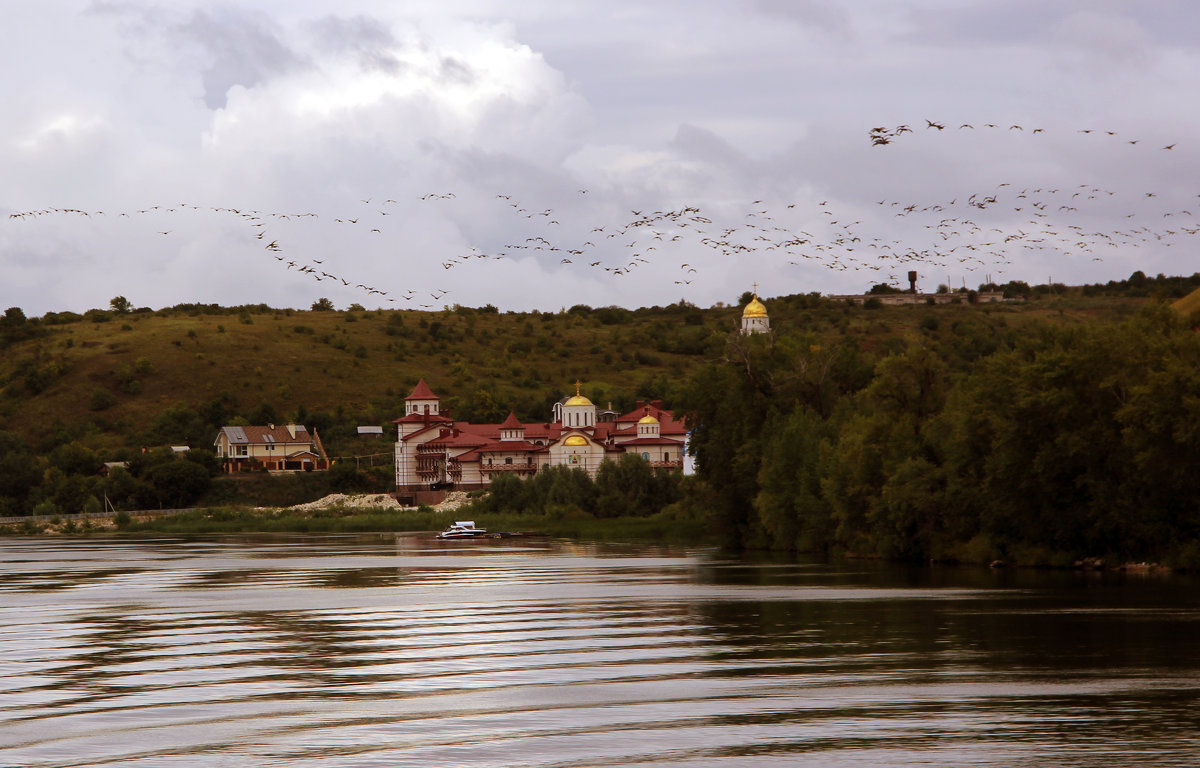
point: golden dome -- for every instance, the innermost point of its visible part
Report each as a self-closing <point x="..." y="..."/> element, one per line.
<point x="647" y="419"/>
<point x="754" y="309"/>
<point x="575" y="440"/>
<point x="578" y="399"/>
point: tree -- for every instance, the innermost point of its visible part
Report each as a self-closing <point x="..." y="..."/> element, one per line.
<point x="322" y="305"/>
<point x="120" y="305"/>
<point x="790" y="505"/>
<point x="343" y="476"/>
<point x="13" y="317"/>
<point x="179" y="483"/>
<point x="19" y="473"/>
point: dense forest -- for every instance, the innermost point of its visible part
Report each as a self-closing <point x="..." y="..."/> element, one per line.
<point x="1053" y="427"/>
<point x="1042" y="445"/>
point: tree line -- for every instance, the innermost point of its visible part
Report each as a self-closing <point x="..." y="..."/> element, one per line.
<point x="1040" y="446"/>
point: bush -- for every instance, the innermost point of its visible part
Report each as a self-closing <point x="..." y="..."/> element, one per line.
<point x="102" y="399"/>
<point x="179" y="483"/>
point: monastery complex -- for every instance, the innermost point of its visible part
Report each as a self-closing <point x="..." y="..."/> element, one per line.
<point x="434" y="451"/>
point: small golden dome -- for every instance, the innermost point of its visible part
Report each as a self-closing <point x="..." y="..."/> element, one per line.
<point x="754" y="309"/>
<point x="647" y="419"/>
<point x="575" y="440"/>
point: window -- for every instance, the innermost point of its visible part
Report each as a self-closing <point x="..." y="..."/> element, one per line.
<point x="508" y="460"/>
<point x="645" y="455"/>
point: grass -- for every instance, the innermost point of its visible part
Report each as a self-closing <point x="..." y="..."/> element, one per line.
<point x="333" y="520"/>
<point x="658" y="528"/>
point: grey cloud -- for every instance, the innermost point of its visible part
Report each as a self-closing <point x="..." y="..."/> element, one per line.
<point x="243" y="50"/>
<point x="239" y="48"/>
<point x="986" y="24"/>
<point x="827" y="17"/>
<point x="456" y="71"/>
<point x="368" y="38"/>
<point x="705" y="145"/>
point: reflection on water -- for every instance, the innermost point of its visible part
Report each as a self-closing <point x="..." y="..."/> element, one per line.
<point x="363" y="651"/>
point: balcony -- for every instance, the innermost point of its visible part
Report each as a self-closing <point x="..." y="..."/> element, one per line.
<point x="490" y="468"/>
<point x="666" y="464"/>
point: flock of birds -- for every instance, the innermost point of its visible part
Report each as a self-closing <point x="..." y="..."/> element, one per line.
<point x="883" y="135"/>
<point x="982" y="229"/>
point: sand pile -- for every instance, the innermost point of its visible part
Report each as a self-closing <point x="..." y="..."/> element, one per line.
<point x="453" y="501"/>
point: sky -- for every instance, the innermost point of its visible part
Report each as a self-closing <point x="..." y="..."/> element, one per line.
<point x="542" y="154"/>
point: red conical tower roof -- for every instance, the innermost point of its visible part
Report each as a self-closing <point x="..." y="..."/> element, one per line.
<point x="422" y="392"/>
<point x="511" y="422"/>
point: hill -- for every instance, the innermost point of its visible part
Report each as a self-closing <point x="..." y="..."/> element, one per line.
<point x="1188" y="304"/>
<point x="120" y="381"/>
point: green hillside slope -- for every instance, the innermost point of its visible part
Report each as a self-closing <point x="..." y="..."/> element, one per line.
<point x="145" y="378"/>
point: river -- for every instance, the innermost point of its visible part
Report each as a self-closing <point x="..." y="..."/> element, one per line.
<point x="323" y="651"/>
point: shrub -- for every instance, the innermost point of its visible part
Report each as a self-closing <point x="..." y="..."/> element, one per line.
<point x="102" y="399"/>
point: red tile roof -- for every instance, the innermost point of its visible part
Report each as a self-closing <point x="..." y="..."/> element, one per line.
<point x="496" y="446"/>
<point x="511" y="422"/>
<point x="420" y="418"/>
<point x="457" y="439"/>
<point x="650" y="441"/>
<point x="422" y="392"/>
<point x="435" y="426"/>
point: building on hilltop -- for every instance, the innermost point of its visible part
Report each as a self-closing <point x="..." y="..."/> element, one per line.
<point x="909" y="299"/>
<point x="435" y="451"/>
<point x="754" y="316"/>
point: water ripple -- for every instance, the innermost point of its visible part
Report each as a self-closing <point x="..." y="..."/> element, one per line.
<point x="329" y="651"/>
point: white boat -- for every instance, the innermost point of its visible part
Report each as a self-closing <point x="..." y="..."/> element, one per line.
<point x="463" y="529"/>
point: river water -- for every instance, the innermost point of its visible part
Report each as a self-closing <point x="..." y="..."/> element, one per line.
<point x="383" y="651"/>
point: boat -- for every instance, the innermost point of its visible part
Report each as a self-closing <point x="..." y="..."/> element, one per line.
<point x="463" y="529"/>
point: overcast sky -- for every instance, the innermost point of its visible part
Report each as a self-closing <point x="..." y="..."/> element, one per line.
<point x="544" y="154"/>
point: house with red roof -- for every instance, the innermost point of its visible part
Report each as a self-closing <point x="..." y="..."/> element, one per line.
<point x="435" y="451"/>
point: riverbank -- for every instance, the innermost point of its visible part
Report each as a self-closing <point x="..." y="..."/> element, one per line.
<point x="363" y="513"/>
<point x="331" y="505"/>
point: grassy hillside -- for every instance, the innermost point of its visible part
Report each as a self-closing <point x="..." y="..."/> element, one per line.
<point x="143" y="378"/>
<point x="1189" y="304"/>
